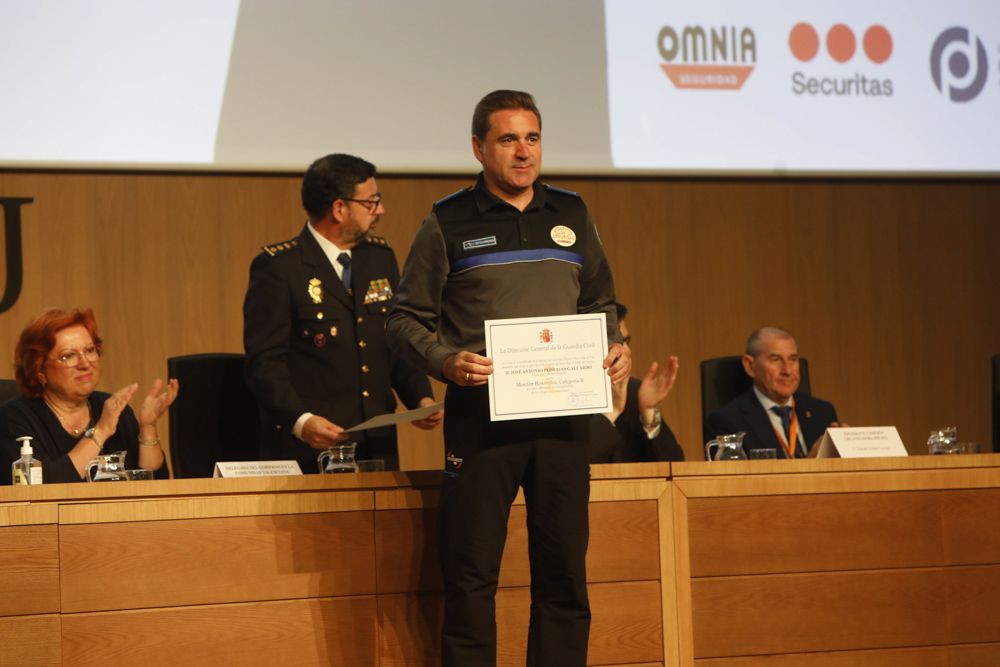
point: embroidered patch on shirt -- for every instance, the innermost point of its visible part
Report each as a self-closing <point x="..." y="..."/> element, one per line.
<point x="484" y="242"/>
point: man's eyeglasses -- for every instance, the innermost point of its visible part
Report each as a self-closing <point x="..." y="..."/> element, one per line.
<point x="371" y="204"/>
<point x="71" y="358"/>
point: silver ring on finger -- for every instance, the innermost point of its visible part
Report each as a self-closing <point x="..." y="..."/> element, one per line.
<point x="468" y="377"/>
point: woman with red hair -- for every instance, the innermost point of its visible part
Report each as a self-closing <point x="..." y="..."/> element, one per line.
<point x="57" y="363"/>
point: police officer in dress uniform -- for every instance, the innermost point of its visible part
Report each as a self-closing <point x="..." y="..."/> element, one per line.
<point x="509" y="246"/>
<point x="314" y="315"/>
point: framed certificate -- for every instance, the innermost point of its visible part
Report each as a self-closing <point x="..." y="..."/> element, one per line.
<point x="548" y="366"/>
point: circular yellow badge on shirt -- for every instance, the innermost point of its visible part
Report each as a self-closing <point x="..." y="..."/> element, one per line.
<point x="563" y="235"/>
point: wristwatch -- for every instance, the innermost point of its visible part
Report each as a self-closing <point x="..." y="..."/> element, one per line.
<point x="89" y="433"/>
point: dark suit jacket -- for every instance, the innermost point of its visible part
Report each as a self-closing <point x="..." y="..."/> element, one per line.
<point x="745" y="413"/>
<point x="312" y="347"/>
<point x="626" y="441"/>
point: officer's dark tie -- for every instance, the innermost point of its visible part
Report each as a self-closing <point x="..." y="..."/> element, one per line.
<point x="785" y="412"/>
<point x="345" y="261"/>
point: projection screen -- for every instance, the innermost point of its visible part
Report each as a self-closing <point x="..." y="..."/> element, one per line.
<point x="625" y="86"/>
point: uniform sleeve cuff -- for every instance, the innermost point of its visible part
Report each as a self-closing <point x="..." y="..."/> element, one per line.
<point x="300" y="424"/>
<point x="435" y="363"/>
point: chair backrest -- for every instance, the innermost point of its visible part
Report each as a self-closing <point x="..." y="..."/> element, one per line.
<point x="215" y="416"/>
<point x="8" y="390"/>
<point x="996" y="403"/>
<point x="723" y="379"/>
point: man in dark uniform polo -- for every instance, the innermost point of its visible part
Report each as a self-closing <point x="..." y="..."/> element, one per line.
<point x="313" y="324"/>
<point x="509" y="246"/>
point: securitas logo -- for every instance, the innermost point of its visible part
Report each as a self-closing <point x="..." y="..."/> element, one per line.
<point x="718" y="58"/>
<point x="958" y="64"/>
<point x="841" y="46"/>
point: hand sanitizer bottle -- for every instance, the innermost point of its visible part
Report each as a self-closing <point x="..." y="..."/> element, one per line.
<point x="26" y="470"/>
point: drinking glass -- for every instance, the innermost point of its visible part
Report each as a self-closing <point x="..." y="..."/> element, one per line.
<point x="371" y="465"/>
<point x="763" y="454"/>
<point x="943" y="440"/>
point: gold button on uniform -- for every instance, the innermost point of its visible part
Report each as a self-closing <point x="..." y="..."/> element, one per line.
<point x="319" y="316"/>
<point x="364" y="368"/>
<point x="365" y="393"/>
<point x="362" y="344"/>
<point x="360" y="319"/>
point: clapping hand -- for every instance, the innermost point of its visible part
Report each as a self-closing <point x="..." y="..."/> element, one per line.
<point x="112" y="410"/>
<point x="157" y="401"/>
<point x="656" y="385"/>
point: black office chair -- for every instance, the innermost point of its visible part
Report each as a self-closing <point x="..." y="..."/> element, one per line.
<point x="8" y="390"/>
<point x="215" y="416"/>
<point x="723" y="379"/>
<point x="996" y="403"/>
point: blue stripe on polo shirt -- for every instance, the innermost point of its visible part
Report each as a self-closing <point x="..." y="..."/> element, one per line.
<point x="515" y="257"/>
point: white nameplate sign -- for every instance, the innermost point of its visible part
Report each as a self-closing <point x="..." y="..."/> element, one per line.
<point x="256" y="468"/>
<point x="861" y="442"/>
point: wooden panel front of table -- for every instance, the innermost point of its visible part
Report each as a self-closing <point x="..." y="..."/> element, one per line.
<point x="338" y="569"/>
<point x="877" y="563"/>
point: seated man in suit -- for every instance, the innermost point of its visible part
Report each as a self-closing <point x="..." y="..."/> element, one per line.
<point x="772" y="413"/>
<point x="634" y="430"/>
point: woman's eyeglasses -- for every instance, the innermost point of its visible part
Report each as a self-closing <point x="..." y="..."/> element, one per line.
<point x="71" y="358"/>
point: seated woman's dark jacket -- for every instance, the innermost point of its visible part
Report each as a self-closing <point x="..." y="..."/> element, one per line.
<point x="52" y="443"/>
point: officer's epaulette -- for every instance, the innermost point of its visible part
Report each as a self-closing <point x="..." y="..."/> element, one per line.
<point x="563" y="191"/>
<point x="277" y="248"/>
<point x="377" y="240"/>
<point x="453" y="195"/>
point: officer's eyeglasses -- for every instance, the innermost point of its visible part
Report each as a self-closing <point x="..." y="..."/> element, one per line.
<point x="371" y="204"/>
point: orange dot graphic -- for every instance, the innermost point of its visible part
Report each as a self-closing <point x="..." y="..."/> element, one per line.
<point x="840" y="43"/>
<point x="878" y="44"/>
<point x="803" y="41"/>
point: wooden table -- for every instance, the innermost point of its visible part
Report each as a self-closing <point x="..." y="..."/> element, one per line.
<point x="871" y="563"/>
